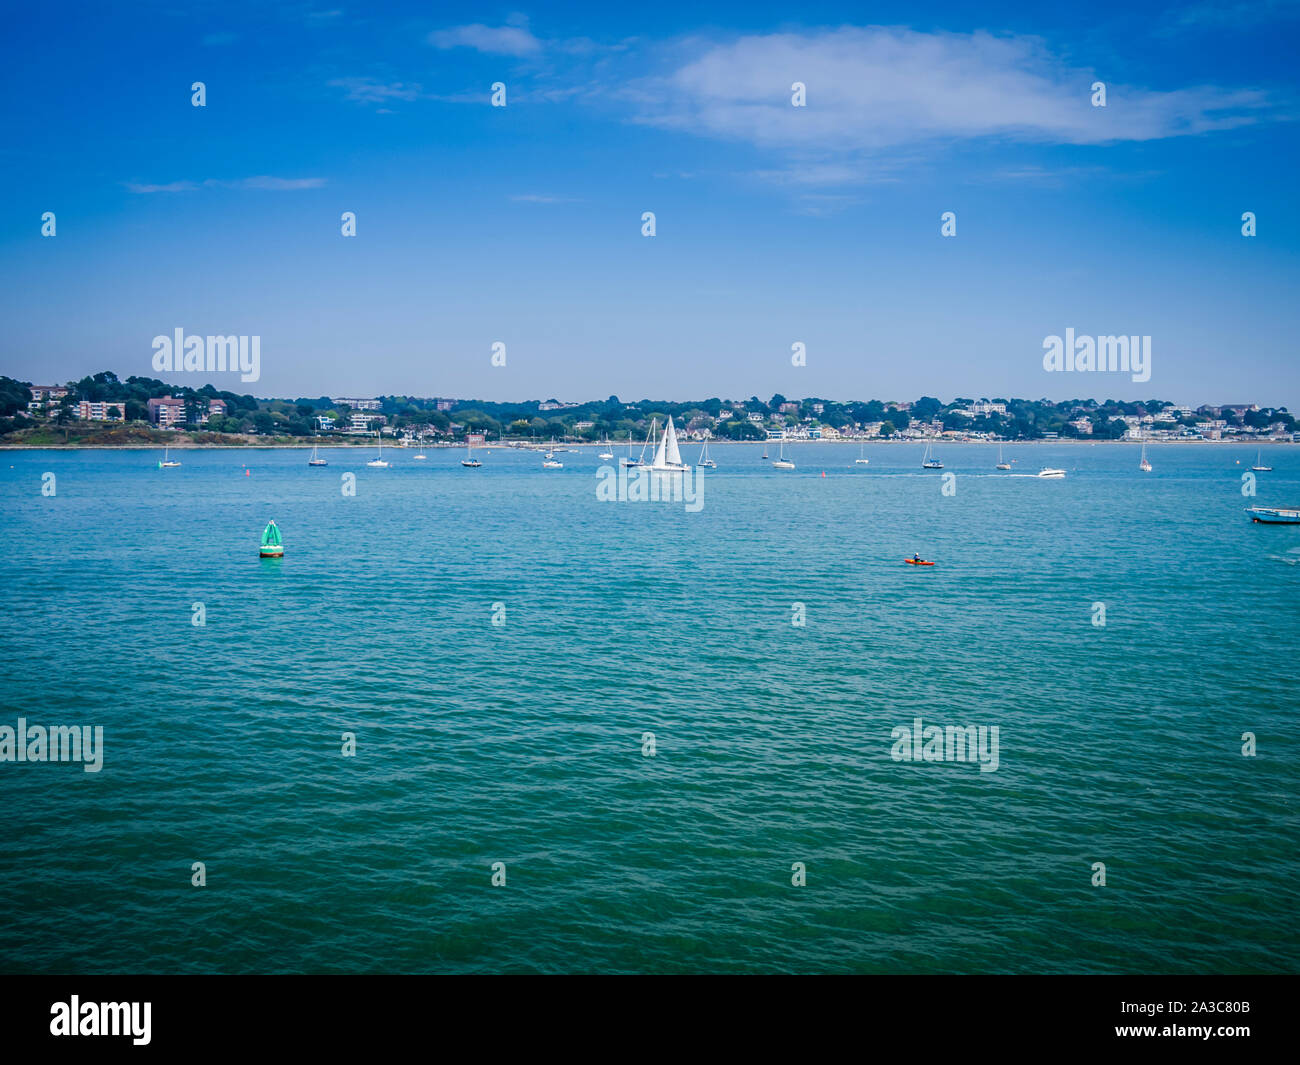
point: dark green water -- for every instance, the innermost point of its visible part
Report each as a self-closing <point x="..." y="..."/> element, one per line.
<point x="522" y="743"/>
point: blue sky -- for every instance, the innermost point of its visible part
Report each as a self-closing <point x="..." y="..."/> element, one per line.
<point x="775" y="224"/>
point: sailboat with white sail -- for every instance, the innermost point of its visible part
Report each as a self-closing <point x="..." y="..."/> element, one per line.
<point x="704" y="462"/>
<point x="1259" y="466"/>
<point x="782" y="463"/>
<point x="1002" y="465"/>
<point x="469" y="460"/>
<point x="167" y="463"/>
<point x="1144" y="465"/>
<point x="315" y="459"/>
<point x="606" y="454"/>
<point x="862" y="459"/>
<point x="379" y="463"/>
<point x="668" y="457"/>
<point x="928" y="463"/>
<point x="421" y="456"/>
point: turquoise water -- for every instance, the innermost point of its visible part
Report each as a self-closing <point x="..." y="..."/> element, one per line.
<point x="522" y="743"/>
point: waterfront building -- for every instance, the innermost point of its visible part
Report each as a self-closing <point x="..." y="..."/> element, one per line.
<point x="101" y="412"/>
<point x="166" y="412"/>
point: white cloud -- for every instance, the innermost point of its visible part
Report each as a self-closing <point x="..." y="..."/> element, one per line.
<point x="542" y="197"/>
<point x="172" y="186"/>
<point x="261" y="182"/>
<point x="875" y="88"/>
<point x="276" y="184"/>
<point x="367" y="90"/>
<point x="494" y="40"/>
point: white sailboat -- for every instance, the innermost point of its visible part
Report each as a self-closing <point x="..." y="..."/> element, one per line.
<point x="421" y="456"/>
<point x="1002" y="465"/>
<point x="782" y="463"/>
<point x="606" y="454"/>
<point x="862" y="459"/>
<point x="469" y="459"/>
<point x="1259" y="467"/>
<point x="668" y="457"/>
<point x="167" y="463"/>
<point x="379" y="463"/>
<point x="928" y="463"/>
<point x="1144" y="465"/>
<point x="315" y="459"/>
<point x="704" y="462"/>
<point x="629" y="460"/>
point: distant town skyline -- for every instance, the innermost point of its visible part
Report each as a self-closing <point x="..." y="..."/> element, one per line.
<point x="918" y="204"/>
<point x="566" y="402"/>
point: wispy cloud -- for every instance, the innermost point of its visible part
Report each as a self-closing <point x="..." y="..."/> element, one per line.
<point x="276" y="184"/>
<point x="876" y="88"/>
<point x="818" y="173"/>
<point x="516" y="40"/>
<point x="261" y="182"/>
<point x="171" y="186"/>
<point x="368" y="90"/>
<point x="542" y="197"/>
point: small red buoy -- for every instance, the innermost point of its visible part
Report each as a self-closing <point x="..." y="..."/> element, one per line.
<point x="823" y="473"/>
<point x="246" y="472"/>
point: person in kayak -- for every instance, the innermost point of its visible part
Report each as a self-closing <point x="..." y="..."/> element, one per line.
<point x="916" y="557"/>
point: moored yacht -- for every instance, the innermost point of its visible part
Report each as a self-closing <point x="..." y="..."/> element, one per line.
<point x="783" y="463"/>
<point x="668" y="457"/>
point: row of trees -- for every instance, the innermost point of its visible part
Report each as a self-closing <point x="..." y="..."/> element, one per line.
<point x="612" y="418"/>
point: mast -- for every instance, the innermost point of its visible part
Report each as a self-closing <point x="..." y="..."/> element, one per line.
<point x="649" y="439"/>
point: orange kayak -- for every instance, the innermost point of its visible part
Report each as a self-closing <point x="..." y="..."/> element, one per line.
<point x="914" y="562"/>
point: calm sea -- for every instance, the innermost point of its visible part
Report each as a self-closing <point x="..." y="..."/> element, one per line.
<point x="522" y="743"/>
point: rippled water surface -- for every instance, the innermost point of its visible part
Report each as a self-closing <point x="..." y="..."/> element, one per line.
<point x="522" y="743"/>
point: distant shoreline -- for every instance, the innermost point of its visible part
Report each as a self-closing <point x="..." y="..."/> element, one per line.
<point x="519" y="446"/>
